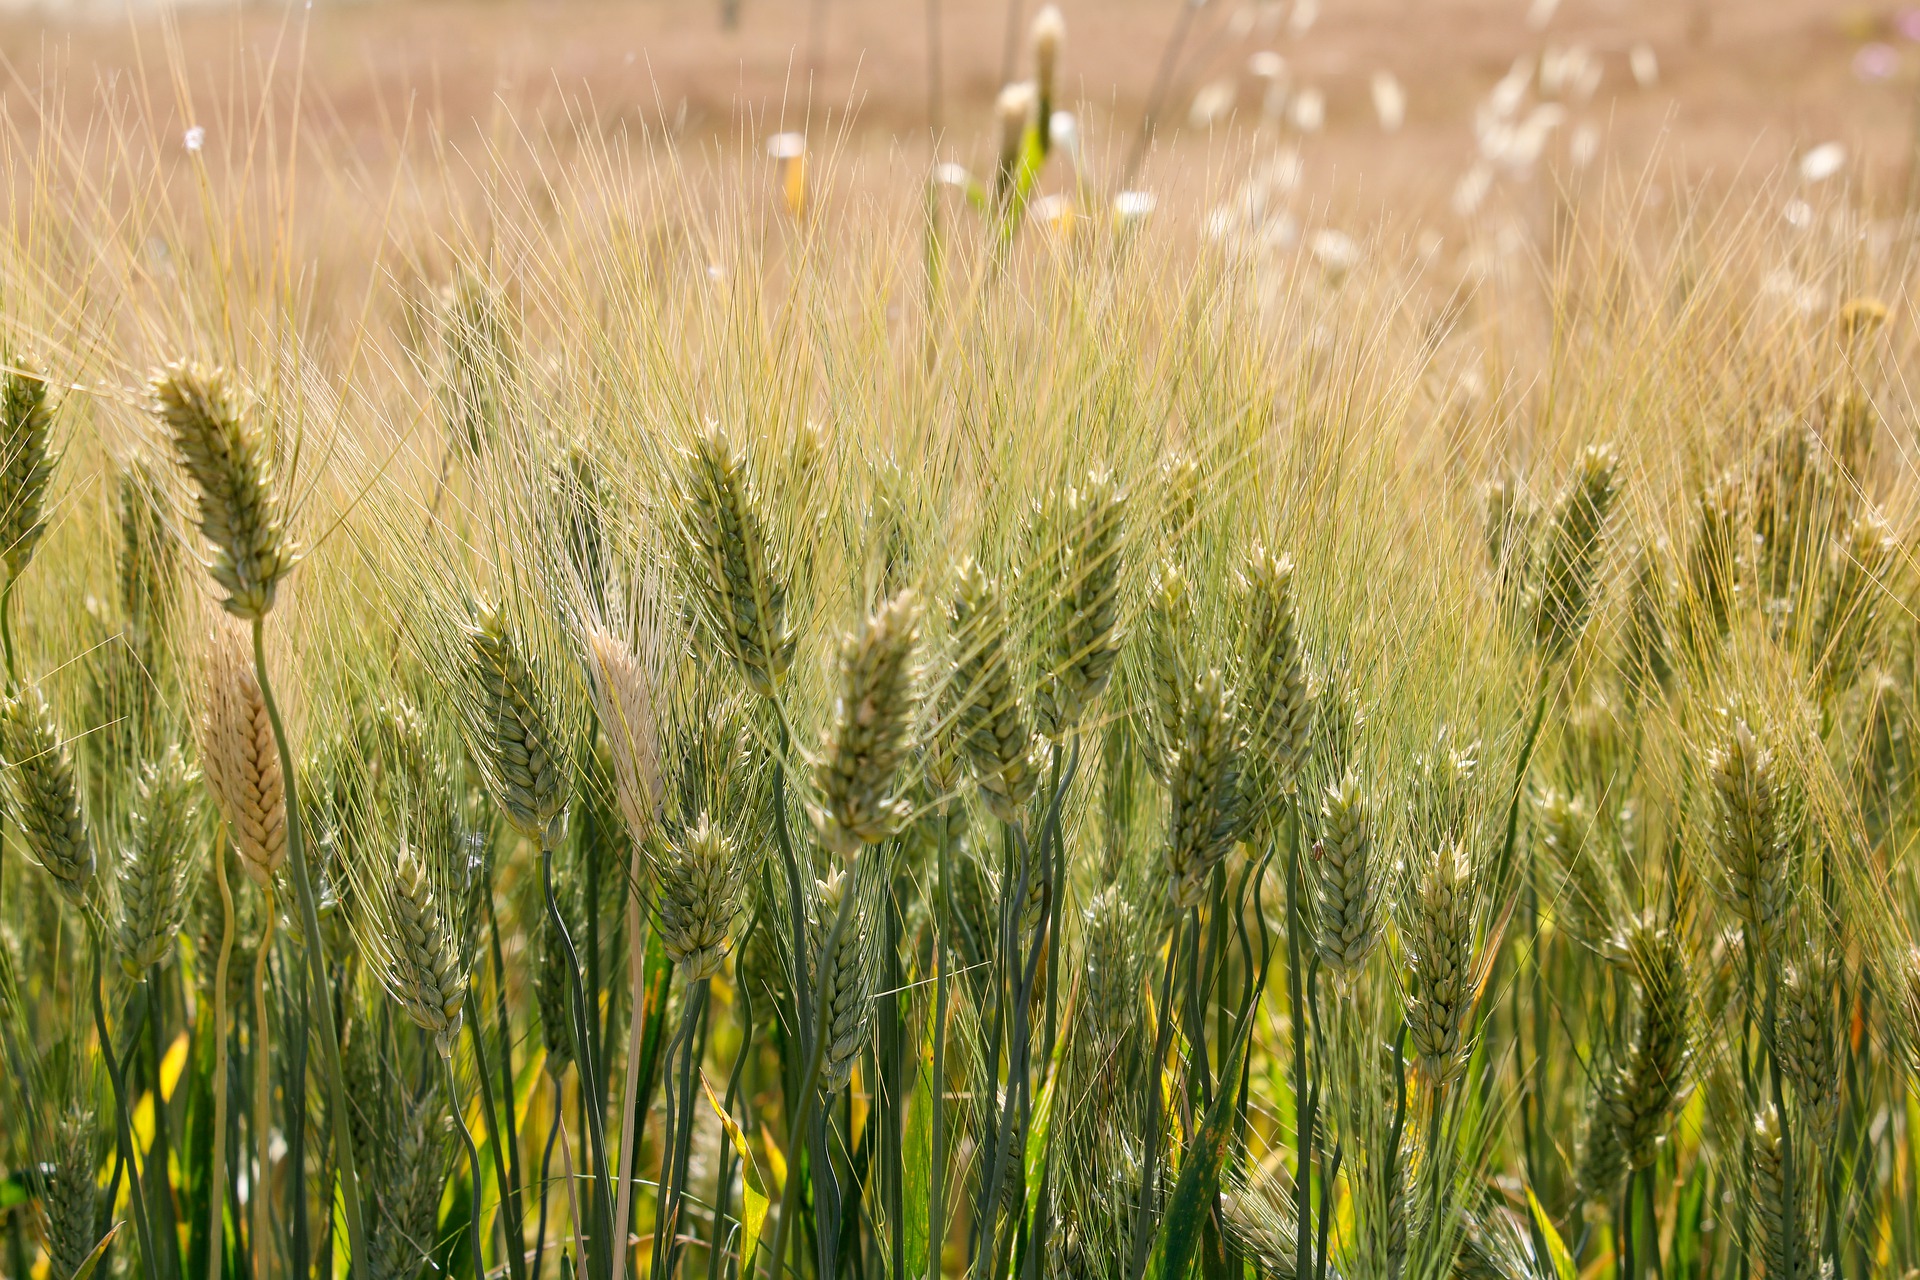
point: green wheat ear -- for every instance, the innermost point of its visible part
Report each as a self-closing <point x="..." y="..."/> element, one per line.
<point x="699" y="880"/>
<point x="423" y="962"/>
<point x="1207" y="813"/>
<point x="44" y="800"/>
<point x="988" y="715"/>
<point x="1646" y="1089"/>
<point x="158" y="872"/>
<point x="511" y="728"/>
<point x="68" y="1194"/>
<point x="26" y="465"/>
<point x="735" y="577"/>
<point x="871" y="735"/>
<point x="1278" y="712"/>
<point x="843" y="980"/>
<point x="1748" y="837"/>
<point x="1439" y="942"/>
<point x="1077" y="578"/>
<point x="220" y="447"/>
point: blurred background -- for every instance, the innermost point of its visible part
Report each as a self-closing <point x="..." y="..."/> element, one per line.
<point x="1363" y="103"/>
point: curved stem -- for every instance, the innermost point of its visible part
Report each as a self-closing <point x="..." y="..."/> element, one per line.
<point x="257" y="1186"/>
<point x="473" y="1159"/>
<point x="217" y="1198"/>
<point x="583" y="1061"/>
<point x="123" y="1130"/>
<point x="316" y="972"/>
<point x="546" y="1171"/>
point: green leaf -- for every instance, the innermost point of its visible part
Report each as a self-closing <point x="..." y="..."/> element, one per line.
<point x="13" y="1190"/>
<point x="753" y="1212"/>
<point x="99" y="1251"/>
<point x="916" y="1175"/>
<point x="1194" y="1194"/>
<point x="1556" y="1247"/>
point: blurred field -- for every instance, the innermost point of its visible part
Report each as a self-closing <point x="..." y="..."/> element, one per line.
<point x="1724" y="90"/>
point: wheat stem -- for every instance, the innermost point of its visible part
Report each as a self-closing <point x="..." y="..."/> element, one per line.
<point x="124" y="1128"/>
<point x="260" y="1197"/>
<point x="473" y="1159"/>
<point x="216" y="1237"/>
<point x="316" y="962"/>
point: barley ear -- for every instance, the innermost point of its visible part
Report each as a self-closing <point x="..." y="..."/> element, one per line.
<point x="871" y="734"/>
<point x="424" y="967"/>
<point x="511" y="728"/>
<point x="1564" y="581"/>
<point x="221" y="448"/>
<point x="844" y="980"/>
<point x="735" y="577"/>
<point x="1278" y="712"/>
<point x="158" y="873"/>
<point x="1439" y="940"/>
<point x="1748" y="836"/>
<point x="237" y="751"/>
<point x="26" y="466"/>
<point x="699" y="887"/>
<point x="1079" y="608"/>
<point x="984" y="704"/>
<point x="1207" y="814"/>
<point x="43" y="797"/>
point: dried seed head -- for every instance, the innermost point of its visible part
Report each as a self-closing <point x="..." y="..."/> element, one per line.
<point x="1748" y="835"/>
<point x="157" y="869"/>
<point x="1168" y="667"/>
<point x="1861" y="317"/>
<point x="698" y="888"/>
<point x="26" y="466"/>
<point x="1808" y="1027"/>
<point x="68" y="1195"/>
<point x="987" y="712"/>
<point x="238" y="752"/>
<point x="843" y="980"/>
<point x="1206" y="810"/>
<point x="1440" y="946"/>
<point x="1570" y="558"/>
<point x="1278" y="711"/>
<point x="626" y="699"/>
<point x="1346" y="898"/>
<point x="42" y="796"/>
<point x="1079" y="612"/>
<point x="511" y="728"/>
<point x="735" y="577"/>
<point x="422" y="961"/>
<point x="1646" y="1088"/>
<point x="857" y="773"/>
<point x="1783" y="1223"/>
<point x="222" y="451"/>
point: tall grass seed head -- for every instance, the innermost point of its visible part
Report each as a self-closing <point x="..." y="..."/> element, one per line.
<point x="857" y="774"/>
<point x="158" y="869"/>
<point x="1439" y="942"/>
<point x="1206" y="809"/>
<point x="1645" y="1091"/>
<point x="43" y="795"/>
<point x="844" y="979"/>
<point x="1346" y="882"/>
<point x="1748" y="835"/>
<point x="1078" y="608"/>
<point x="626" y="697"/>
<point x="1279" y="713"/>
<point x="26" y="468"/>
<point x="985" y="703"/>
<point x="424" y="967"/>
<point x="1564" y="579"/>
<point x="239" y="755"/>
<point x="511" y="727"/>
<point x="698" y="883"/>
<point x="225" y="455"/>
<point x="735" y="577"/>
<point x="1013" y="110"/>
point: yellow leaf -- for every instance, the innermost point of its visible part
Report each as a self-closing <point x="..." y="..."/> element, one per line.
<point x="172" y="1065"/>
<point x="776" y="1160"/>
<point x="753" y="1213"/>
<point x="143" y="1121"/>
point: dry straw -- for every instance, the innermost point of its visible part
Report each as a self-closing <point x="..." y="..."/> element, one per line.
<point x="238" y="753"/>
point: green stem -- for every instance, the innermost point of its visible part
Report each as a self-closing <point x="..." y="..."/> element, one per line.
<point x="123" y="1129"/>
<point x="583" y="1062"/>
<point x="809" y="1085"/>
<point x="473" y="1157"/>
<point x="937" y="1093"/>
<point x="316" y="962"/>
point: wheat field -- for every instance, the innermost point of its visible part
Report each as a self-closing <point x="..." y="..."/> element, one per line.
<point x="590" y="703"/>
